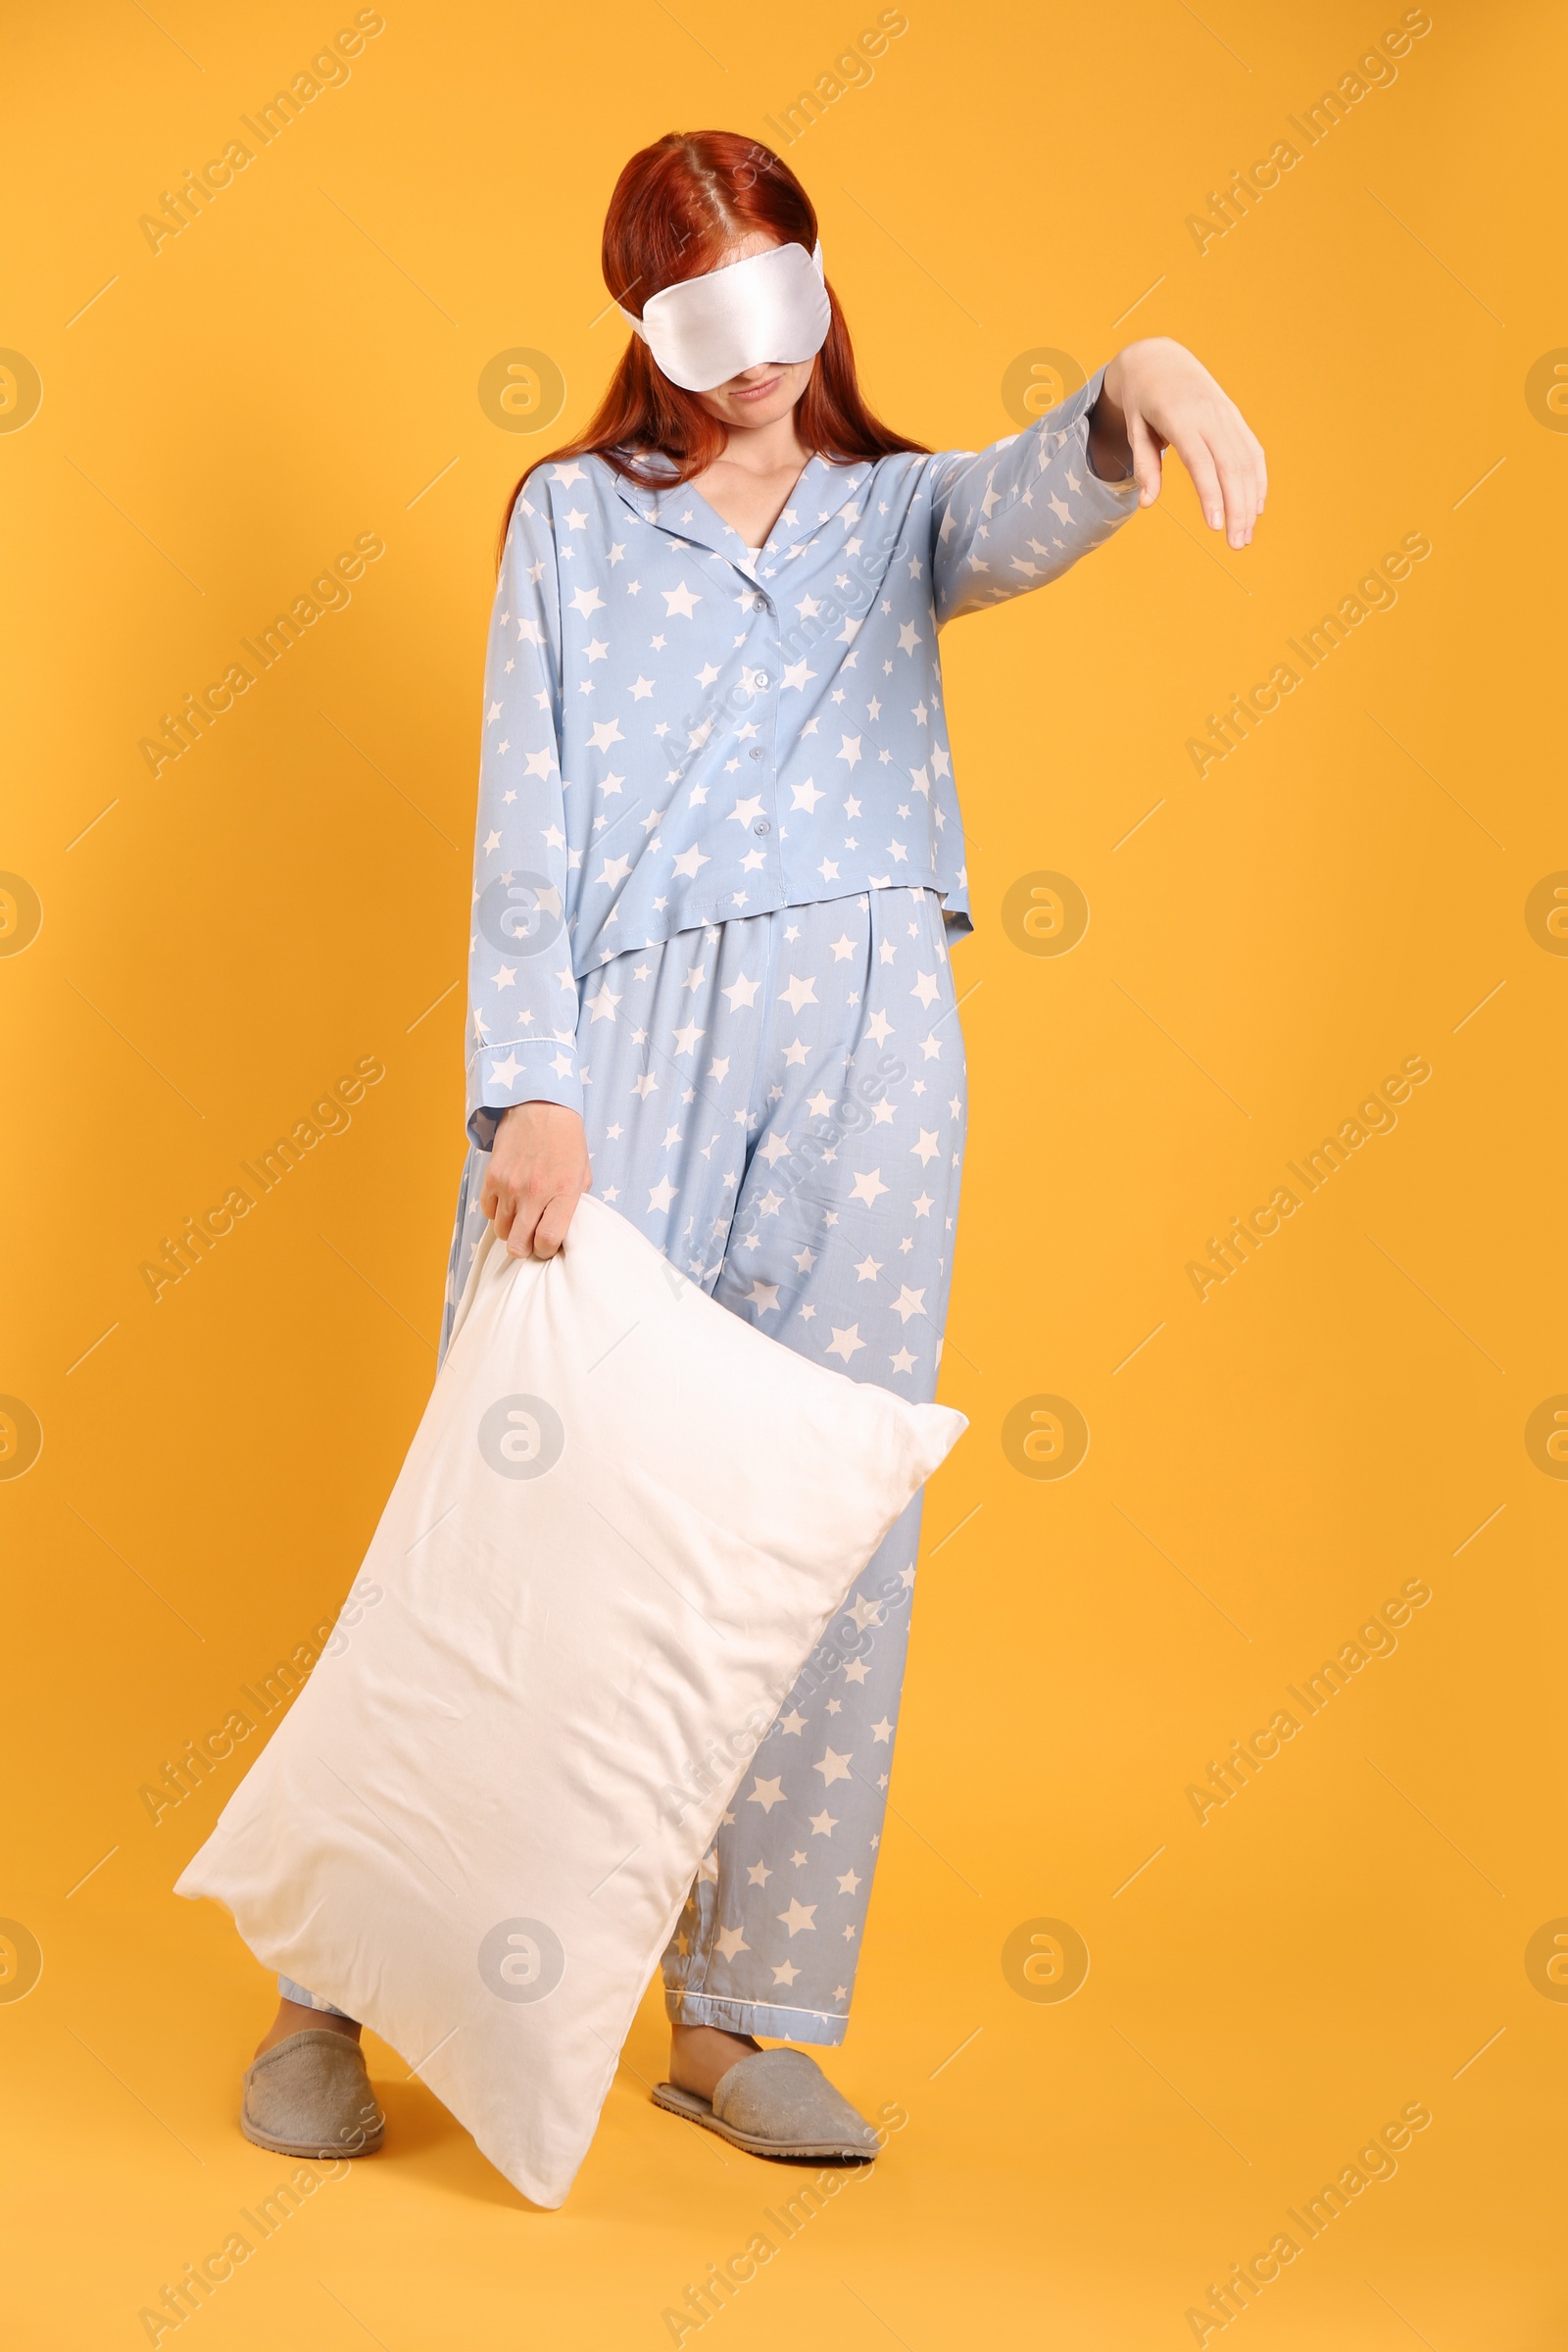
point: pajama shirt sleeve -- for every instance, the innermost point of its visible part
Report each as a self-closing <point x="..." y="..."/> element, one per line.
<point x="522" y="998"/>
<point x="1017" y="514"/>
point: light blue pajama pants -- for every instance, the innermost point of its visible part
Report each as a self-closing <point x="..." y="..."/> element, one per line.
<point x="778" y="1103"/>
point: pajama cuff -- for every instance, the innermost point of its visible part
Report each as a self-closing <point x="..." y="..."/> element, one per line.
<point x="1113" y="482"/>
<point x="288" y="1990"/>
<point x="526" y="1070"/>
<point x="755" y="2017"/>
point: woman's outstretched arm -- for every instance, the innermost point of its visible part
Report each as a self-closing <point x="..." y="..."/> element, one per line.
<point x="1016" y="516"/>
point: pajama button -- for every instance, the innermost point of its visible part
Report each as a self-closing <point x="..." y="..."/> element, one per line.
<point x="757" y="751"/>
<point x="762" y="826"/>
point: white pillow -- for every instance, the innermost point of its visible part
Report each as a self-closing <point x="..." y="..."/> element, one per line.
<point x="624" y="1523"/>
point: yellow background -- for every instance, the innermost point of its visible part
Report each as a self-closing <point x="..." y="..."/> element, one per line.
<point x="1339" y="1941"/>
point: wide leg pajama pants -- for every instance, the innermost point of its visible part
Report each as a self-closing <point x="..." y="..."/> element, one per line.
<point x="778" y="1103"/>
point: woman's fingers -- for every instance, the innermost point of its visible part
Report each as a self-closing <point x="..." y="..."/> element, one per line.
<point x="1146" y="448"/>
<point x="524" y="1222"/>
<point x="1251" y="470"/>
<point x="542" y="1215"/>
<point x="1225" y="474"/>
<point x="1237" y="481"/>
<point x="496" y="1202"/>
<point x="1260" y="461"/>
<point x="538" y="1171"/>
<point x="1170" y="401"/>
<point x="508" y="1211"/>
<point x="554" y="1219"/>
<point x="1199" y="459"/>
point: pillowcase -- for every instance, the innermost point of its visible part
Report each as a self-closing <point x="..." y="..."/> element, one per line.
<point x="624" y="1525"/>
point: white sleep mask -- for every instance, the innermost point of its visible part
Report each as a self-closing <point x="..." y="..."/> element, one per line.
<point x="706" y="329"/>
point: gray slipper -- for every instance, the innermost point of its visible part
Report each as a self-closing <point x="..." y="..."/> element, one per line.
<point x="777" y="2103"/>
<point x="310" y="2095"/>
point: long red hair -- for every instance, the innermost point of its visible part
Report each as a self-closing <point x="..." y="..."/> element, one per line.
<point x="677" y="206"/>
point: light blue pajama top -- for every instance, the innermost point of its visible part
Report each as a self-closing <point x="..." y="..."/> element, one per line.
<point x="676" y="734"/>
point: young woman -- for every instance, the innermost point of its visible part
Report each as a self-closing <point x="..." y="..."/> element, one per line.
<point x="719" y="859"/>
